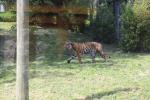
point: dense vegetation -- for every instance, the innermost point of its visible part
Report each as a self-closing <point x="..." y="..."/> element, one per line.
<point x="136" y="26"/>
<point x="101" y="28"/>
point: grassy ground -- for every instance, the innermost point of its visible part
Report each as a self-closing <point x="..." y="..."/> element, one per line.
<point x="8" y="16"/>
<point x="123" y="77"/>
<point x="6" y="26"/>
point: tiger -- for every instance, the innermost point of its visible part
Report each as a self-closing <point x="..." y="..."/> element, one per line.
<point x="80" y="49"/>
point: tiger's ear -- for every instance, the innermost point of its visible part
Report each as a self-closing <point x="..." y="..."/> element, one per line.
<point x="68" y="42"/>
<point x="71" y="43"/>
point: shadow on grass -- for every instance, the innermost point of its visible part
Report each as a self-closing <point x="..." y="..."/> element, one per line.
<point x="40" y="74"/>
<point x="8" y="74"/>
<point x="115" y="58"/>
<point x="8" y="81"/>
<point x="74" y="64"/>
<point x="107" y="93"/>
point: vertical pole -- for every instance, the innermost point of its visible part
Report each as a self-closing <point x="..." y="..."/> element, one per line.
<point x="22" y="51"/>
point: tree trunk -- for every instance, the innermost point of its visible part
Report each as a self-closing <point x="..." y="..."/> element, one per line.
<point x="22" y="51"/>
<point x="116" y="5"/>
<point x="93" y="5"/>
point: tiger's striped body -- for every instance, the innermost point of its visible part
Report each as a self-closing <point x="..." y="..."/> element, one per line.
<point x="91" y="48"/>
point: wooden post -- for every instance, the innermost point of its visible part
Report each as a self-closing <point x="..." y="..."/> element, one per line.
<point x="22" y="51"/>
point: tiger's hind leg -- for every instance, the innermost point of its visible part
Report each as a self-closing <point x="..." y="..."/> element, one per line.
<point x="79" y="58"/>
<point x="93" y="55"/>
<point x="93" y="59"/>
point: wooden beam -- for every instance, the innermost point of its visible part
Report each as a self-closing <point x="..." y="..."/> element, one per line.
<point x="22" y="51"/>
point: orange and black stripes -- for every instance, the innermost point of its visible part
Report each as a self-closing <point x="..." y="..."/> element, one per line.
<point x="85" y="48"/>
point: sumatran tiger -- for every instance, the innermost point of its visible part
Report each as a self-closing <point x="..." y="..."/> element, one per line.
<point x="79" y="49"/>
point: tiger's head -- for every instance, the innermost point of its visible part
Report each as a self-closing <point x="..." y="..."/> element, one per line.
<point x="68" y="45"/>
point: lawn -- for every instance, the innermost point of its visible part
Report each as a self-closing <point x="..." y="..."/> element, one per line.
<point x="6" y="26"/>
<point x="7" y="16"/>
<point x="123" y="77"/>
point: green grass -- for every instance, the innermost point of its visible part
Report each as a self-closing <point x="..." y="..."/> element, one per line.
<point x="6" y="26"/>
<point x="123" y="77"/>
<point x="7" y="17"/>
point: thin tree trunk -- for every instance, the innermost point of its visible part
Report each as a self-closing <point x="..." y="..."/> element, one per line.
<point x="116" y="5"/>
<point x="93" y="5"/>
<point x="22" y="51"/>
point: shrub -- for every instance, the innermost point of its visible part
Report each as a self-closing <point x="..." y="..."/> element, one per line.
<point x="102" y="28"/>
<point x="7" y="17"/>
<point x="135" y="28"/>
<point x="130" y="37"/>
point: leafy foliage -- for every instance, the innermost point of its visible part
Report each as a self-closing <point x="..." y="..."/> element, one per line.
<point x="129" y="38"/>
<point x="102" y="28"/>
<point x="135" y="27"/>
<point x="7" y="17"/>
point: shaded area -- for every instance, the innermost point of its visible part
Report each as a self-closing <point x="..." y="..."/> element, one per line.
<point x="44" y="74"/>
<point x="107" y="93"/>
<point x="7" y="48"/>
<point x="1" y="49"/>
<point x="8" y="81"/>
<point x="7" y="74"/>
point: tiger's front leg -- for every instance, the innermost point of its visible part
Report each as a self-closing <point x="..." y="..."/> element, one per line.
<point x="70" y="58"/>
<point x="93" y="60"/>
<point x="93" y="55"/>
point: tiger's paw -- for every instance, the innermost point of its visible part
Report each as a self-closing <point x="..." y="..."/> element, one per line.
<point x="68" y="61"/>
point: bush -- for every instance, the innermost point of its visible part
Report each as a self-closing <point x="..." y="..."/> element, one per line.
<point x="135" y="28"/>
<point x="130" y="37"/>
<point x="7" y="17"/>
<point x="102" y="28"/>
